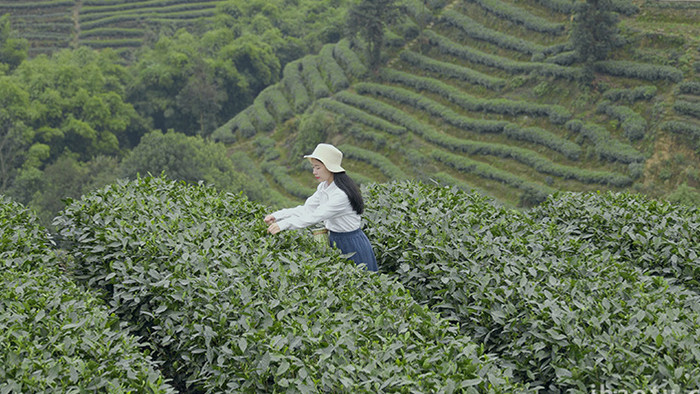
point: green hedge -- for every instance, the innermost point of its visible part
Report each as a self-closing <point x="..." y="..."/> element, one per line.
<point x="538" y="193"/>
<point x="645" y="92"/>
<point x="689" y="108"/>
<point x="605" y="145"/>
<point x="449" y="47"/>
<point x="633" y="124"/>
<point x="645" y="71"/>
<point x="294" y="83"/>
<point x="685" y="128"/>
<point x="360" y="116"/>
<point x="273" y="98"/>
<point x="391" y="170"/>
<point x="689" y="87"/>
<point x="556" y="113"/>
<point x="349" y="60"/>
<point x="54" y="335"/>
<point x="556" y="292"/>
<point x="524" y="156"/>
<point x="478" y="31"/>
<point x="335" y="76"/>
<point x="312" y="76"/>
<point x="451" y="70"/>
<point x="230" y="308"/>
<point x="520" y="16"/>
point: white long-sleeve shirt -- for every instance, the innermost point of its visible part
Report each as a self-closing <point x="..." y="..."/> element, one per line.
<point x="329" y="204"/>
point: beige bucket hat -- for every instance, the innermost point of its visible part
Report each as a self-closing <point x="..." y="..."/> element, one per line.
<point x="329" y="155"/>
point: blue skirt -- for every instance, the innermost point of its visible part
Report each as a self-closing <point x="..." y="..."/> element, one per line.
<point x="355" y="242"/>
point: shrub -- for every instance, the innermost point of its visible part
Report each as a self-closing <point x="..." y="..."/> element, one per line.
<point x="477" y="31"/>
<point x="312" y="76"/>
<point x="452" y="70"/>
<point x="689" y="87"/>
<point x="335" y="76"/>
<point x="273" y="98"/>
<point x="391" y="170"/>
<point x="645" y="71"/>
<point x="681" y="128"/>
<point x="645" y="92"/>
<point x="294" y="84"/>
<point x="57" y="337"/>
<point x="229" y="308"/>
<point x="632" y="123"/>
<point x="349" y="60"/>
<point x="557" y="291"/>
<point x="360" y="116"/>
<point x="521" y="16"/>
<point x="605" y="145"/>
<point x="684" y="107"/>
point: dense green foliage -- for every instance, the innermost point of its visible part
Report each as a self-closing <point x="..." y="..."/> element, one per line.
<point x="227" y="307"/>
<point x="587" y="290"/>
<point x="55" y="336"/>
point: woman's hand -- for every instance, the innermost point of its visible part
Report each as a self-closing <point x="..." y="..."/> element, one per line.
<point x="274" y="228"/>
<point x="269" y="219"/>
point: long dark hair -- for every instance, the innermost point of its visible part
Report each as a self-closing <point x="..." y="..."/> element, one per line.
<point x="346" y="184"/>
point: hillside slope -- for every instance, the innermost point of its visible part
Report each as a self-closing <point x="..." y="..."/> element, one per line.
<point x="50" y="25"/>
<point x="486" y="96"/>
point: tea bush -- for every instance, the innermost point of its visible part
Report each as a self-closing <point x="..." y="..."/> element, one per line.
<point x="451" y="70"/>
<point x="227" y="307"/>
<point x="55" y="336"/>
<point x="589" y="290"/>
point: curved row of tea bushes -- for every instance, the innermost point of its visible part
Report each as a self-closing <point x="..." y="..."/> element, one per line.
<point x="55" y="336"/>
<point x="520" y="16"/>
<point x="261" y="117"/>
<point x="475" y="30"/>
<point x="536" y="193"/>
<point x="282" y="178"/>
<point x="452" y="70"/>
<point x="644" y="92"/>
<point x="312" y="76"/>
<point x="273" y="98"/>
<point x="294" y="84"/>
<point x="391" y="170"/>
<point x="360" y="116"/>
<point x="449" y="47"/>
<point x="331" y="69"/>
<point x="556" y="298"/>
<point x="228" y="307"/>
<point x="525" y="156"/>
<point x="605" y="145"/>
<point x="689" y="87"/>
<point x="240" y="126"/>
<point x="645" y="71"/>
<point x="556" y="113"/>
<point x="681" y="128"/>
<point x="347" y="58"/>
<point x="633" y="124"/>
<point x="688" y="108"/>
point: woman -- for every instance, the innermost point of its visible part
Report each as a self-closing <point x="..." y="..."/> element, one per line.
<point x="337" y="202"/>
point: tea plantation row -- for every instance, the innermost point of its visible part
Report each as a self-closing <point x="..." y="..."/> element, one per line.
<point x="228" y="308"/>
<point x="582" y="291"/>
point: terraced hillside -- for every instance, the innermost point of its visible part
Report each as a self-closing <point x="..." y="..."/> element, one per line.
<point x="118" y="24"/>
<point x="487" y="96"/>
